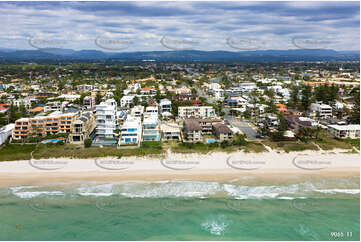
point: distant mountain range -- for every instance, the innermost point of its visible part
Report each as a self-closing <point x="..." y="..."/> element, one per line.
<point x="51" y="55"/>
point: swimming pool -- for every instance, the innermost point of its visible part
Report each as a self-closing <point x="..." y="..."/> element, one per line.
<point x="51" y="141"/>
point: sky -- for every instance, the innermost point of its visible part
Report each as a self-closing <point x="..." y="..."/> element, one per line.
<point x="160" y="26"/>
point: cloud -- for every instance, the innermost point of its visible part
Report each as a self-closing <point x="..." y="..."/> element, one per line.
<point x="276" y="23"/>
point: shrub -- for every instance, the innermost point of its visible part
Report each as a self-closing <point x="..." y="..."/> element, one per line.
<point x="87" y="143"/>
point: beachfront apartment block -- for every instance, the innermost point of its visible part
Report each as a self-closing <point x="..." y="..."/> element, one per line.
<point x="151" y="130"/>
<point x="351" y="131"/>
<point x="131" y="131"/>
<point x="170" y="131"/>
<point x="192" y="131"/>
<point x="40" y="126"/>
<point x="222" y="132"/>
<point x="323" y="110"/>
<point x="196" y="112"/>
<point x="106" y="119"/>
<point x="82" y="128"/>
<point x="5" y="132"/>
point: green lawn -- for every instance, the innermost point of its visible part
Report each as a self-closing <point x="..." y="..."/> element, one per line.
<point x="15" y="152"/>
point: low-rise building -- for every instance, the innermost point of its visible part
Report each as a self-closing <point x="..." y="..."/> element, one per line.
<point x="345" y="131"/>
<point x="222" y="132"/>
<point x="196" y="112"/>
<point x="170" y="131"/>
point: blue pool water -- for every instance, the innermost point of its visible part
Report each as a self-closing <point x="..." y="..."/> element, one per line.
<point x="51" y="141"/>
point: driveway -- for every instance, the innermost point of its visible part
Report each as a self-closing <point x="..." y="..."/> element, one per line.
<point x="248" y="130"/>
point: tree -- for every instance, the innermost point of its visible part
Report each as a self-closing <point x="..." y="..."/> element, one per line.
<point x="88" y="143"/>
<point x="306" y="97"/>
<point x="355" y="113"/>
<point x="98" y="99"/>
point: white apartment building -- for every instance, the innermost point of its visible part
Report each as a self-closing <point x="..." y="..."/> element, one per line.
<point x="196" y="112"/>
<point x="25" y="101"/>
<point x="247" y="86"/>
<point x="131" y="131"/>
<point x="151" y="111"/>
<point x="345" y="131"/>
<point x="323" y="110"/>
<point x="5" y="132"/>
<point x="218" y="94"/>
<point x="127" y="101"/>
<point x="89" y="102"/>
<point x="165" y="105"/>
<point x="137" y="111"/>
<point x="55" y="106"/>
<point x="151" y="128"/>
<point x="106" y="119"/>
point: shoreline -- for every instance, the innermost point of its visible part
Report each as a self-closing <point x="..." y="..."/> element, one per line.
<point x="218" y="166"/>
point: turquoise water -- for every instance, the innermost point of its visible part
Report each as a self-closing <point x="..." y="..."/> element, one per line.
<point x="51" y="141"/>
<point x="182" y="210"/>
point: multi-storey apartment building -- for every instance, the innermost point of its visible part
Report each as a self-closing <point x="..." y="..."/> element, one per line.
<point x="82" y="128"/>
<point x="196" y="112"/>
<point x="151" y="128"/>
<point x="131" y="131"/>
<point x="222" y="132"/>
<point x="54" y="123"/>
<point x="192" y="131"/>
<point x="165" y="105"/>
<point x="89" y="102"/>
<point x="106" y="119"/>
<point x="170" y="131"/>
<point x="137" y="111"/>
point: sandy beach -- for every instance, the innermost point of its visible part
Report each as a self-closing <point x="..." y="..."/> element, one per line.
<point x="210" y="167"/>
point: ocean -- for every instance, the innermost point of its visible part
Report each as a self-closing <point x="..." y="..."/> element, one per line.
<point x="321" y="209"/>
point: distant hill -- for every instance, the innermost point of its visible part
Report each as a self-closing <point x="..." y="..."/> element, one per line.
<point x="12" y="55"/>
